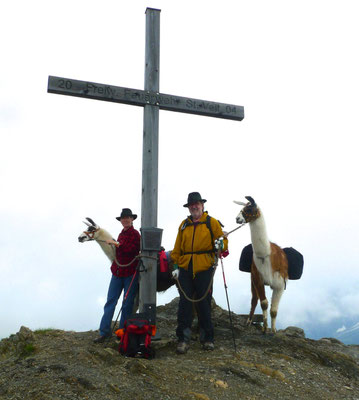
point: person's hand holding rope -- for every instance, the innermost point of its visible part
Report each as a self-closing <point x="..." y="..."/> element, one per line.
<point x="175" y="272"/>
<point x="114" y="242"/>
<point x="218" y="244"/>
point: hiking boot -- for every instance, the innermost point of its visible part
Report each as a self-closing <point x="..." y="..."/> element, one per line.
<point x="208" y="346"/>
<point x="182" y="348"/>
<point x="101" y="339"/>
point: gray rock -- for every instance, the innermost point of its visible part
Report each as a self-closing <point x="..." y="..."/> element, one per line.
<point x="25" y="334"/>
<point x="293" y="331"/>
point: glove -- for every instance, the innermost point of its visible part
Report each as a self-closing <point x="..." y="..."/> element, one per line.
<point x="175" y="272"/>
<point x="218" y="243"/>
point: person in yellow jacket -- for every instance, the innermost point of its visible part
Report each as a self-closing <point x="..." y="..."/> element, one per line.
<point x="198" y="241"/>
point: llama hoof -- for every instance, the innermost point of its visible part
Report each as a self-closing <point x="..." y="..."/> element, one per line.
<point x="249" y="322"/>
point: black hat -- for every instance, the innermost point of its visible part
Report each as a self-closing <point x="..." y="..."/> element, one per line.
<point x="193" y="198"/>
<point x="126" y="212"/>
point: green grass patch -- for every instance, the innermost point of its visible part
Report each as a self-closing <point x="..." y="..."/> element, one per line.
<point x="44" y="331"/>
<point x="28" y="350"/>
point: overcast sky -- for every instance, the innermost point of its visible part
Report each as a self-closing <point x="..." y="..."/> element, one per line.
<point x="293" y="65"/>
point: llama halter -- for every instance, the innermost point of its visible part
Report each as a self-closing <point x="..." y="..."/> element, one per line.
<point x="91" y="234"/>
<point x="249" y="215"/>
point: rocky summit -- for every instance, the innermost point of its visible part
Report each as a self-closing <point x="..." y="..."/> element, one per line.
<point x="55" y="364"/>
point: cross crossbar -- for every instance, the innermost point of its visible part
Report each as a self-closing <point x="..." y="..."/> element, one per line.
<point x="118" y="94"/>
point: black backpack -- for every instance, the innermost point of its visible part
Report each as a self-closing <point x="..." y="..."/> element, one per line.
<point x="135" y="337"/>
<point x="295" y="261"/>
<point x="245" y="261"/>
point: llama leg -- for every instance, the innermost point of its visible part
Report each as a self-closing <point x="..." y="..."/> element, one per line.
<point x="253" y="303"/>
<point x="259" y="288"/>
<point x="258" y="291"/>
<point x="276" y="296"/>
<point x="264" y="305"/>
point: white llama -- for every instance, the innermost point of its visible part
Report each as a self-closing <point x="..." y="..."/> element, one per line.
<point x="100" y="235"/>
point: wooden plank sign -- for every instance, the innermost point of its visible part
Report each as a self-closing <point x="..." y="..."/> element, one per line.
<point x="135" y="97"/>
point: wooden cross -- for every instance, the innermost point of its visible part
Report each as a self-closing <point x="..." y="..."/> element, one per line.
<point x="152" y="100"/>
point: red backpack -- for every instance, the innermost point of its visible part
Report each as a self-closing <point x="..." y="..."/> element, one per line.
<point x="135" y="337"/>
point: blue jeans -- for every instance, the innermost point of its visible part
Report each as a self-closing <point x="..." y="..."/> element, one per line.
<point x="114" y="292"/>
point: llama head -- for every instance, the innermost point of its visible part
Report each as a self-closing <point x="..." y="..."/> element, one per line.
<point x="249" y="212"/>
<point x="89" y="234"/>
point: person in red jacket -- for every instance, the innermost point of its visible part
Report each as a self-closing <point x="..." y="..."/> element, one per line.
<point x="124" y="275"/>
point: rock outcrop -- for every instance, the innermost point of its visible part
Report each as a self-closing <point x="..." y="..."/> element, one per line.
<point x="55" y="364"/>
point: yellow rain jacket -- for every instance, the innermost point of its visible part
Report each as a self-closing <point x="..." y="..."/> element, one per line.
<point x="196" y="243"/>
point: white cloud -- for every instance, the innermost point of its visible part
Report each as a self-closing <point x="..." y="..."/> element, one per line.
<point x="342" y="329"/>
<point x="64" y="158"/>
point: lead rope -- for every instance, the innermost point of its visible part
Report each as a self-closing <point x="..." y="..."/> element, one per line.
<point x="126" y="265"/>
<point x="233" y="230"/>
<point x="210" y="284"/>
<point x="214" y="266"/>
<point x="138" y="256"/>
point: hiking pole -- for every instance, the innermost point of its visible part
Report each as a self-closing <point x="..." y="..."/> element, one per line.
<point x="123" y="301"/>
<point x="229" y="310"/>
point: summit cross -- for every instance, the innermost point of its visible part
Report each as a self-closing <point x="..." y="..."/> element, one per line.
<point x="152" y="101"/>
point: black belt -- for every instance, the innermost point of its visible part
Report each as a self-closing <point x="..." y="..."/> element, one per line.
<point x="198" y="252"/>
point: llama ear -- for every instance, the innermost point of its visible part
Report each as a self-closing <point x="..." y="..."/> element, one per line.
<point x="86" y="223"/>
<point x="91" y="221"/>
<point x="251" y="200"/>
<point x="239" y="202"/>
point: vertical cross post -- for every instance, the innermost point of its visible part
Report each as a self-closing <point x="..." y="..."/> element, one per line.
<point x="150" y="161"/>
<point x="152" y="100"/>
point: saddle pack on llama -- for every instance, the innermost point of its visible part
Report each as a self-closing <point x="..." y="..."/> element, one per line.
<point x="295" y="261"/>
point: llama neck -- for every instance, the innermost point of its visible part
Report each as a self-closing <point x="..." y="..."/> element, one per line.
<point x="260" y="241"/>
<point x="108" y="249"/>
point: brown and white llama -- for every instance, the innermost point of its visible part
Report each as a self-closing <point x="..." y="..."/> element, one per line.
<point x="269" y="264"/>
